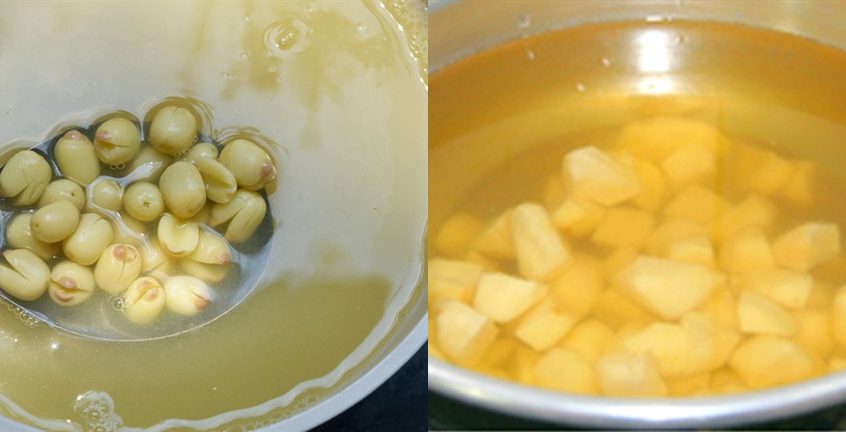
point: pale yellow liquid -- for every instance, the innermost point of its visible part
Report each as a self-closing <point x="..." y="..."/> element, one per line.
<point x="503" y="119"/>
<point x="340" y="87"/>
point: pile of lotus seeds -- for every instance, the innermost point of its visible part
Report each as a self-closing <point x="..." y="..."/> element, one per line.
<point x="79" y="230"/>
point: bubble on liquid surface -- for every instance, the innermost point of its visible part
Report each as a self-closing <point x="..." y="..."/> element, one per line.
<point x="299" y="405"/>
<point x="96" y="411"/>
<point x="412" y="18"/>
<point x="524" y="21"/>
<point x="117" y="303"/>
<point x="287" y="37"/>
<point x="362" y="29"/>
<point x="23" y="315"/>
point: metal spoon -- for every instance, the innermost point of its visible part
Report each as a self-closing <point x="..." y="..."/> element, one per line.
<point x="100" y="317"/>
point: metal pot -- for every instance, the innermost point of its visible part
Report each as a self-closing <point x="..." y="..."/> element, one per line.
<point x="461" y="28"/>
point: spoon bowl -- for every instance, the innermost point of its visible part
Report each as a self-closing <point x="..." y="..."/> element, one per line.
<point x="100" y="317"/>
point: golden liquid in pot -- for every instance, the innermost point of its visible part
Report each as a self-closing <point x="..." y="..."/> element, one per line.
<point x="501" y="122"/>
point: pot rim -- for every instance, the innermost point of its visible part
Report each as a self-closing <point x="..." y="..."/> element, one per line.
<point x="614" y="412"/>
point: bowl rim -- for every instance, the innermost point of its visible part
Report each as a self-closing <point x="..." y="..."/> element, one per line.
<point x="362" y="386"/>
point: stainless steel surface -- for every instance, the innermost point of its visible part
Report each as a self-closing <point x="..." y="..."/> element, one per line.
<point x="603" y="412"/>
<point x="461" y="28"/>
